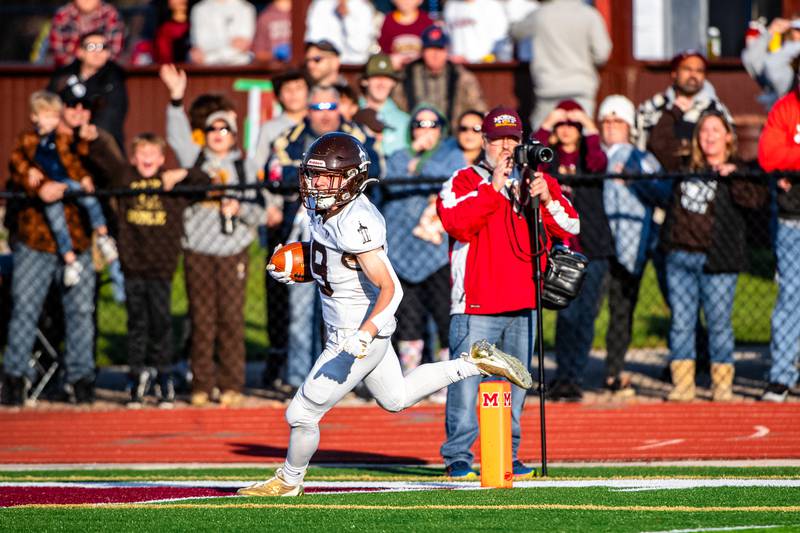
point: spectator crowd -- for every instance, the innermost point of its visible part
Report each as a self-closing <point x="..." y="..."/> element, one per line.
<point x="421" y="116"/>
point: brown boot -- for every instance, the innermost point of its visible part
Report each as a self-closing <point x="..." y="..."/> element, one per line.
<point x="722" y="382"/>
<point x="682" y="380"/>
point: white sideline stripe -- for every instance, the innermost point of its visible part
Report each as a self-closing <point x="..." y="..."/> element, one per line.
<point x="17" y="467"/>
<point x="732" y="528"/>
<point x="619" y="484"/>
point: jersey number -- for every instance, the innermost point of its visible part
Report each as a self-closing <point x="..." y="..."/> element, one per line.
<point x="319" y="266"/>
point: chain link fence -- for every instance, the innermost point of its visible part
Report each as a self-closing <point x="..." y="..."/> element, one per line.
<point x="197" y="308"/>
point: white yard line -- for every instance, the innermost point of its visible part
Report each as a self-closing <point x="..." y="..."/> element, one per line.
<point x="732" y="528"/>
<point x="614" y="484"/>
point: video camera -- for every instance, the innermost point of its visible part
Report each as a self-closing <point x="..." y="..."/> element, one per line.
<point x="532" y="153"/>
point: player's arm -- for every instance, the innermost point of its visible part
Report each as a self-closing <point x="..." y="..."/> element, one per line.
<point x="376" y="266"/>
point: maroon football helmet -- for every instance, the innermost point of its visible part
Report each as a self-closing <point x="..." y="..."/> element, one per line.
<point x="341" y="158"/>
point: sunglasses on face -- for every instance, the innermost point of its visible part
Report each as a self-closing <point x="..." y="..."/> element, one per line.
<point x="222" y="130"/>
<point x="425" y="124"/>
<point x="476" y="128"/>
<point x="94" y="47"/>
<point x="323" y="106"/>
<point x="316" y="59"/>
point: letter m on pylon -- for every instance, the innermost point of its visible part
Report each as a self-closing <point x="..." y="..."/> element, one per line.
<point x="491" y="399"/>
<point x="506" y="399"/>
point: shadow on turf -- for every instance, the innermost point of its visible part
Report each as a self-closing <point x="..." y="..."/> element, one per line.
<point x="325" y="456"/>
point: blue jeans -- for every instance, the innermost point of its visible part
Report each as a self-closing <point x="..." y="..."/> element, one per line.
<point x="54" y="213"/>
<point x="785" y="345"/>
<point x="575" y="325"/>
<point x="689" y="286"/>
<point x="304" y="332"/>
<point x="513" y="335"/>
<point x="33" y="273"/>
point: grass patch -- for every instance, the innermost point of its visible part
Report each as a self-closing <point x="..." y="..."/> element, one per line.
<point x="755" y="297"/>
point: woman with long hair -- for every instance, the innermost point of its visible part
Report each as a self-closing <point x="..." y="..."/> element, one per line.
<point x="704" y="238"/>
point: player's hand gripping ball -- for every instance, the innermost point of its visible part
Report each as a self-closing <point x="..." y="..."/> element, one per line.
<point x="291" y="263"/>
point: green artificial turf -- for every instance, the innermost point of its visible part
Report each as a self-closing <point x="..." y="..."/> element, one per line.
<point x="437" y="511"/>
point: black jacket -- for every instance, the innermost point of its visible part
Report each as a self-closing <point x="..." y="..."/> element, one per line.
<point x="726" y="232"/>
<point x="105" y="92"/>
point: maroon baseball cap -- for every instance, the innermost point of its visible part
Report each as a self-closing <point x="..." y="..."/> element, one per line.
<point x="502" y="122"/>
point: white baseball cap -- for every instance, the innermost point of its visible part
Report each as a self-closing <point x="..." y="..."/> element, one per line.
<point x="620" y="106"/>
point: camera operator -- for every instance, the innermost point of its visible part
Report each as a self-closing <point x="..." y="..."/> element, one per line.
<point x="492" y="270"/>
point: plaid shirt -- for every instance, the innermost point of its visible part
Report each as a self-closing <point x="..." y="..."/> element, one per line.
<point x="69" y="24"/>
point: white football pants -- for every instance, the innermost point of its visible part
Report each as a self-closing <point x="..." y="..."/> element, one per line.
<point x="336" y="373"/>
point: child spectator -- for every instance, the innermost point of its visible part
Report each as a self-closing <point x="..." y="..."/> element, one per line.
<point x="401" y="33"/>
<point x="49" y="162"/>
<point x="576" y="143"/>
<point x="150" y="230"/>
<point x="704" y="237"/>
<point x="79" y="17"/>
<point x="273" y="40"/>
<point x="172" y="35"/>
<point x="218" y="233"/>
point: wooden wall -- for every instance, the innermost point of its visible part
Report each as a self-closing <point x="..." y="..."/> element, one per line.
<point x="507" y="83"/>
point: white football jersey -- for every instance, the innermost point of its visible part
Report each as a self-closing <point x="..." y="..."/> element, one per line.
<point x="347" y="294"/>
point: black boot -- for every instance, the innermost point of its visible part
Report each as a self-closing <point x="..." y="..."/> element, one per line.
<point x="84" y="390"/>
<point x="14" y="390"/>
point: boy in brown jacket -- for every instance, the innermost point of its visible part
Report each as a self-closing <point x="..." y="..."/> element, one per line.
<point x="150" y="231"/>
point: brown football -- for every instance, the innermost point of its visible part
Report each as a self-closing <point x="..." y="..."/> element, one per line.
<point x="297" y="256"/>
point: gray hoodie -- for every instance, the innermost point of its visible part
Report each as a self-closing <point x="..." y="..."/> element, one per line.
<point x="202" y="221"/>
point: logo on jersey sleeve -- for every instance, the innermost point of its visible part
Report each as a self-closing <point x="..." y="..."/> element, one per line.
<point x="364" y="232"/>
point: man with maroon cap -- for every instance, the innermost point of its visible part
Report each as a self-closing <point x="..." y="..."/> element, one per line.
<point x="666" y="121"/>
<point x="492" y="270"/>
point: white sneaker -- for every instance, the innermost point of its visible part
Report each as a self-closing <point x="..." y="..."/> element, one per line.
<point x="72" y="273"/>
<point x="493" y="362"/>
<point x="108" y="248"/>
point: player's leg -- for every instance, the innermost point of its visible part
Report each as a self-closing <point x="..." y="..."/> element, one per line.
<point x="394" y="392"/>
<point x="334" y="374"/>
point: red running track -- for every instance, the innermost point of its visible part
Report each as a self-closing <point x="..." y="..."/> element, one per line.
<point x="578" y="432"/>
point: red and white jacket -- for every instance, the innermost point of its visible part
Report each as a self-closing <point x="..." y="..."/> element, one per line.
<point x="490" y="255"/>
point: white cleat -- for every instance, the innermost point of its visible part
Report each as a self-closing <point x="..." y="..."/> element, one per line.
<point x="275" y="486"/>
<point x="492" y="361"/>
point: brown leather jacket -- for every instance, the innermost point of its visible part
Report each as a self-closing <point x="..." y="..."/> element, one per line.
<point x="32" y="229"/>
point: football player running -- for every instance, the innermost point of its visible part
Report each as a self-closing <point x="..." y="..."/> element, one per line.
<point x="360" y="294"/>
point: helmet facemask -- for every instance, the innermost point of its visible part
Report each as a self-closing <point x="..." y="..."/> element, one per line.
<point x="343" y="187"/>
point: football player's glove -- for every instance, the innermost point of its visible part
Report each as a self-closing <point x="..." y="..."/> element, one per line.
<point x="279" y="275"/>
<point x="357" y="344"/>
